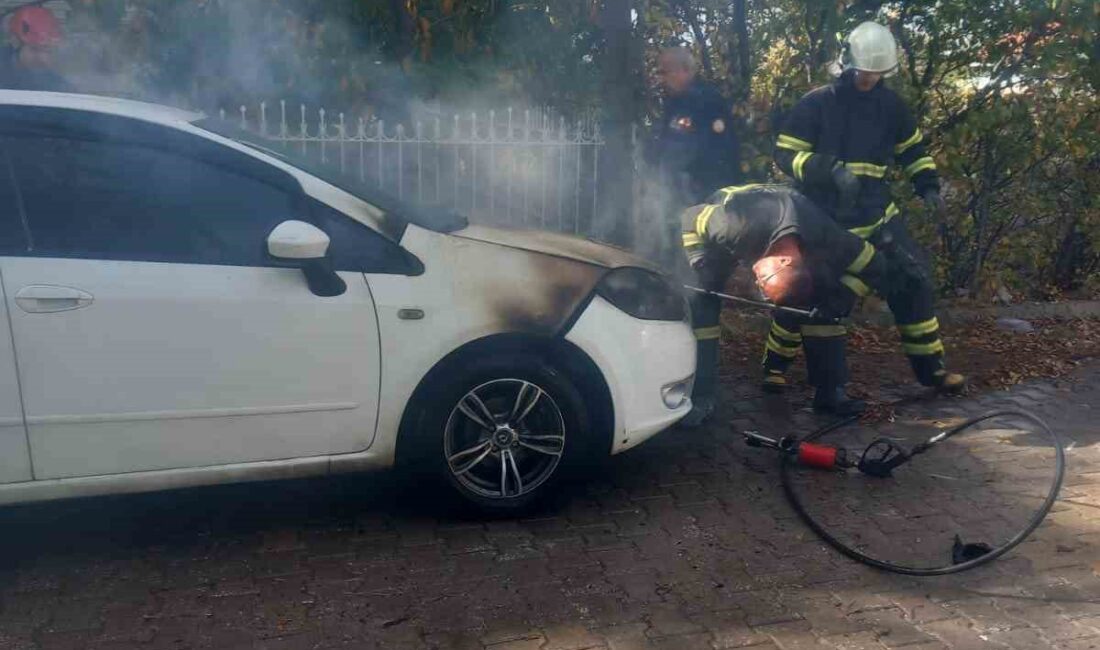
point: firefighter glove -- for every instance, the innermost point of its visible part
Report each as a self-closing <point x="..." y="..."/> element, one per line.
<point x="847" y="185"/>
<point x="711" y="276"/>
<point x="935" y="202"/>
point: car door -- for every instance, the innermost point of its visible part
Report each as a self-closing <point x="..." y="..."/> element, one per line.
<point x="152" y="330"/>
<point x="15" y="465"/>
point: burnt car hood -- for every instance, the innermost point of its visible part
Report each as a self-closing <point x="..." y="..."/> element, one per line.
<point x="564" y="246"/>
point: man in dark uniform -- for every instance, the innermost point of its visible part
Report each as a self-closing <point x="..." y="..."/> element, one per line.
<point x="29" y="64"/>
<point x="800" y="257"/>
<point x="697" y="153"/>
<point x="838" y="143"/>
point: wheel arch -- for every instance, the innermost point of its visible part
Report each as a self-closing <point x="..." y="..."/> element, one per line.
<point x="557" y="352"/>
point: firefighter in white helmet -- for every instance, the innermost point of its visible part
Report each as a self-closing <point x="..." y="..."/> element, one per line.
<point x="839" y="143"/>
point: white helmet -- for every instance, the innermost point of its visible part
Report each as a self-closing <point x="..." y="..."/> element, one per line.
<point x="871" y="48"/>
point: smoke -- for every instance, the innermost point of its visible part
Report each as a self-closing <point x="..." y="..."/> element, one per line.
<point x="529" y="167"/>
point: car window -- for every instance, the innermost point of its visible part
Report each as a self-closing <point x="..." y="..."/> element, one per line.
<point x="12" y="228"/>
<point x="355" y="247"/>
<point x="109" y="200"/>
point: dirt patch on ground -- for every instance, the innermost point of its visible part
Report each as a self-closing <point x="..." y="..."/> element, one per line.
<point x="991" y="358"/>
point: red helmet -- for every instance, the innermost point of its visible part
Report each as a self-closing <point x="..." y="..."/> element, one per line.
<point x="34" y="26"/>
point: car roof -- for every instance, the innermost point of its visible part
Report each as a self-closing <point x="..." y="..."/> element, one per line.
<point x="144" y="111"/>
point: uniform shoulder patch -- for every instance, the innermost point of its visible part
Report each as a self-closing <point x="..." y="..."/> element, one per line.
<point x="719" y="126"/>
<point x="682" y="123"/>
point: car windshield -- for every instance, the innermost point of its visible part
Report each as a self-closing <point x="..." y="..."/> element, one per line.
<point x="427" y="216"/>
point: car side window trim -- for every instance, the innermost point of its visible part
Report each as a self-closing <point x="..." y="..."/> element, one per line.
<point x="17" y="197"/>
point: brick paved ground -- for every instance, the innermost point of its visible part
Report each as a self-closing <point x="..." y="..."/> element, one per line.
<point x="686" y="542"/>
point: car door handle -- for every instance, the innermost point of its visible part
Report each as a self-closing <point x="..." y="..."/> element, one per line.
<point x="47" y="299"/>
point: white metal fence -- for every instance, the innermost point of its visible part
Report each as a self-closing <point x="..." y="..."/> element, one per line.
<point x="520" y="168"/>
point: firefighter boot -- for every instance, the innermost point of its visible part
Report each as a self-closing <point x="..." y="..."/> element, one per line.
<point x="706" y="315"/>
<point x="951" y="383"/>
<point x="835" y="401"/>
<point x="827" y="367"/>
<point x="783" y="342"/>
<point x="774" y="382"/>
<point x="702" y="410"/>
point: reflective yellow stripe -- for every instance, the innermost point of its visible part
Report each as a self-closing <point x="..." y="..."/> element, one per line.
<point x="857" y="286"/>
<point x="708" y="333"/>
<point x="799" y="164"/>
<point x="923" y="349"/>
<point x="792" y="143"/>
<point x="919" y="166"/>
<point x="863" y="260"/>
<point x="691" y="239"/>
<point x="823" y="331"/>
<point x="703" y="218"/>
<point x="784" y="334"/>
<point x="866" y="169"/>
<point x="864" y="232"/>
<point x="790" y="345"/>
<point x="727" y="192"/>
<point x="910" y="143"/>
<point x="920" y="329"/>
<point x="773" y="346"/>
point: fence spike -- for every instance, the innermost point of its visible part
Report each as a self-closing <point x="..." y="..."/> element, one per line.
<point x="520" y="159"/>
<point x="283" y="128"/>
<point x="304" y="128"/>
<point x="343" y="140"/>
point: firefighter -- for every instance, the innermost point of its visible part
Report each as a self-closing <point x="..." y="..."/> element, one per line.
<point x="697" y="153"/>
<point x="801" y="258"/>
<point x="35" y="36"/>
<point x="838" y="144"/>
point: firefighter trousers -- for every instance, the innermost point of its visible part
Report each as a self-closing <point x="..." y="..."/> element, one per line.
<point x="706" y="312"/>
<point x="909" y="292"/>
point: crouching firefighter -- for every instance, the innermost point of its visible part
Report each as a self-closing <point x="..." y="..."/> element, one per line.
<point x="801" y="258"/>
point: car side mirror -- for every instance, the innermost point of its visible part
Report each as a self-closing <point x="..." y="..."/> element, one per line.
<point x="297" y="241"/>
<point x="306" y="245"/>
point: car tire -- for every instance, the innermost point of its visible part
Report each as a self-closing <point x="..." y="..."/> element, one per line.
<point x="502" y="431"/>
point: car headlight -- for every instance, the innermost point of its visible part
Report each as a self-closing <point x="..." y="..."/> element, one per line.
<point x="643" y="294"/>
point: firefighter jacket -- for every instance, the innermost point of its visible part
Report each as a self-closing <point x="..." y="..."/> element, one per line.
<point x="737" y="225"/>
<point x="695" y="138"/>
<point x="864" y="131"/>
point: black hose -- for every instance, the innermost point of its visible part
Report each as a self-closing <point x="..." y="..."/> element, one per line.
<point x="1060" y="469"/>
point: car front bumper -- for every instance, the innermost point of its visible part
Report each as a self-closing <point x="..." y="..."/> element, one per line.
<point x="649" y="367"/>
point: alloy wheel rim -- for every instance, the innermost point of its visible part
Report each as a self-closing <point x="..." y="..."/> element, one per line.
<point x="504" y="439"/>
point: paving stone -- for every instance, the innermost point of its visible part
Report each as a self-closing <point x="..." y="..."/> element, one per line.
<point x="685" y="542"/>
<point x="960" y="633"/>
<point x="570" y="637"/>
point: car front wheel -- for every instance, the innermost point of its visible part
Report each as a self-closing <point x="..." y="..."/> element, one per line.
<point x="504" y="431"/>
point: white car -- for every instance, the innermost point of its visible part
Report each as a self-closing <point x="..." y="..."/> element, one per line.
<point x="181" y="306"/>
